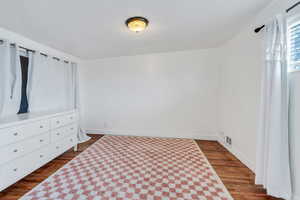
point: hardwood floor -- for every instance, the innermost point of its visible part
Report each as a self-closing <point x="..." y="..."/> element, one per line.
<point x="238" y="179"/>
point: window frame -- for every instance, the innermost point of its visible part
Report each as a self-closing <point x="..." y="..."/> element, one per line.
<point x="292" y="21"/>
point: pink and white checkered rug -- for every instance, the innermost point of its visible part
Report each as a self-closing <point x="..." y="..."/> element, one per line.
<point x="124" y="167"/>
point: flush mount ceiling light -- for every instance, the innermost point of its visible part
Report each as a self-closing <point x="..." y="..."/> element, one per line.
<point x="137" y="24"/>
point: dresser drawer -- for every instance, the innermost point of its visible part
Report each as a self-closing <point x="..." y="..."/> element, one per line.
<point x="71" y="118"/>
<point x="60" y="133"/>
<point x="62" y="146"/>
<point x="43" y="156"/>
<point x="72" y="129"/>
<point x="17" y="133"/>
<point x="15" y="150"/>
<point x="58" y="122"/>
<point x="63" y="120"/>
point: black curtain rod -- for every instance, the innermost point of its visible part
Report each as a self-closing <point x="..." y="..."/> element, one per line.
<point x="43" y="54"/>
<point x="257" y="30"/>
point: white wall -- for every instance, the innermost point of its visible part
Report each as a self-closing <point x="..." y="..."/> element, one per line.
<point x="167" y="94"/>
<point x="240" y="91"/>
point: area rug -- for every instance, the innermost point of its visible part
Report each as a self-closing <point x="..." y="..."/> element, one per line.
<point x="125" y="167"/>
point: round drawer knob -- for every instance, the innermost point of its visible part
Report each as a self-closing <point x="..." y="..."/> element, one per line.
<point x="57" y="147"/>
<point x="57" y="133"/>
<point x="16" y="169"/>
<point x="41" y="156"/>
<point x="41" y="126"/>
<point x="57" y="122"/>
<point x="41" y="140"/>
<point x="16" y="150"/>
<point x="15" y="134"/>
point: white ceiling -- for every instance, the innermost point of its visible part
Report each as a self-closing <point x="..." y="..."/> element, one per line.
<point x="94" y="29"/>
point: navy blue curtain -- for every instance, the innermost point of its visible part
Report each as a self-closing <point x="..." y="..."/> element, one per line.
<point x="24" y="99"/>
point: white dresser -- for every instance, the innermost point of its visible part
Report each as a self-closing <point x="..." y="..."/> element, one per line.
<point x="29" y="141"/>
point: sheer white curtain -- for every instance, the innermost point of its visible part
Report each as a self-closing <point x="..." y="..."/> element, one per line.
<point x="82" y="136"/>
<point x="273" y="160"/>
<point x="54" y="86"/>
<point x="10" y="79"/>
<point x="50" y="84"/>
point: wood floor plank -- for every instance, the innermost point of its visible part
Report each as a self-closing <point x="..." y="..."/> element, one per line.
<point x="237" y="178"/>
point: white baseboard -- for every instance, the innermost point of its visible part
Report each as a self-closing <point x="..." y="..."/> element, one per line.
<point x="242" y="157"/>
<point x="199" y="135"/>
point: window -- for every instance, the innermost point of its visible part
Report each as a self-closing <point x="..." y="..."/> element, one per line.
<point x="294" y="44"/>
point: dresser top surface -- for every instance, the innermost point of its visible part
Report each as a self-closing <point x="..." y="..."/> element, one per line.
<point x="23" y="118"/>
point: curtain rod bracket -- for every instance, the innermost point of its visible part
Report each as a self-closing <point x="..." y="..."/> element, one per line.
<point x="257" y="30"/>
